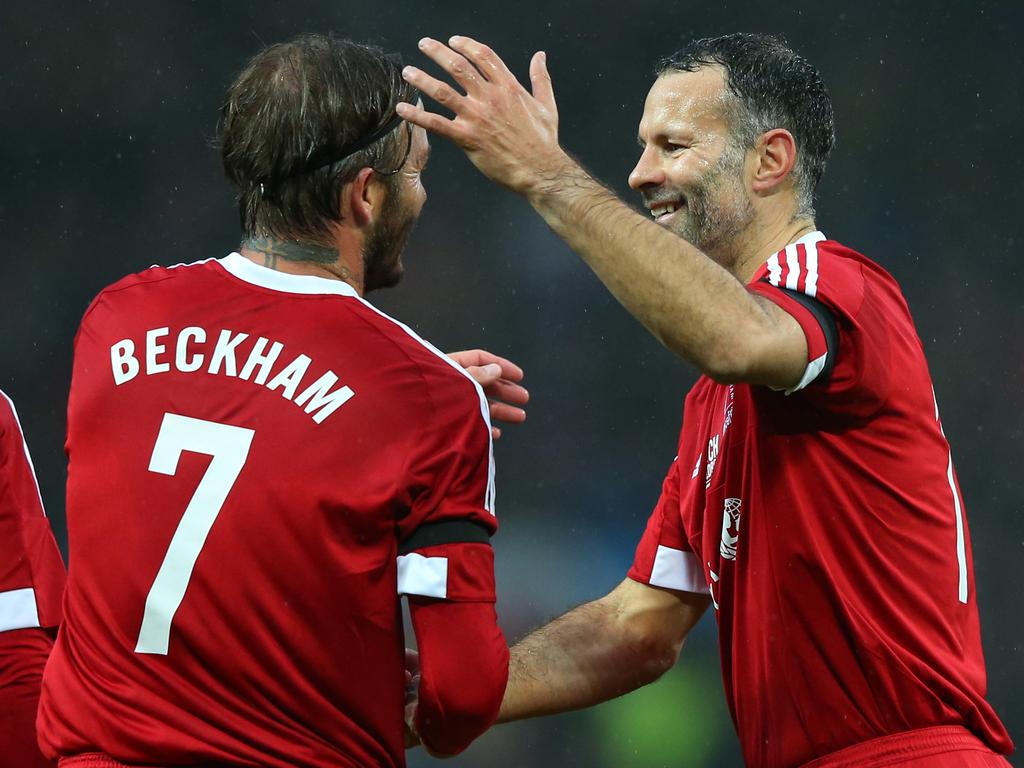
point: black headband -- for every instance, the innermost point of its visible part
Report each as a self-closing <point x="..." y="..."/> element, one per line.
<point x="355" y="146"/>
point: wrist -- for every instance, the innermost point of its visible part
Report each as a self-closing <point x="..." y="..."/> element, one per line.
<point x="552" y="175"/>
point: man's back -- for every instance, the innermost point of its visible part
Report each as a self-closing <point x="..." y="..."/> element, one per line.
<point x="247" y="451"/>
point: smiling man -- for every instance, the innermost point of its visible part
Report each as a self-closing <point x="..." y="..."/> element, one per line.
<point x="813" y="500"/>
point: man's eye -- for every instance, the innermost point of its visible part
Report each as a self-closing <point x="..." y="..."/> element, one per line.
<point x="672" y="147"/>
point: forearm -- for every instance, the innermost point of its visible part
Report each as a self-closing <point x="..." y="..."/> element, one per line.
<point x="691" y="304"/>
<point x="464" y="667"/>
<point x="589" y="655"/>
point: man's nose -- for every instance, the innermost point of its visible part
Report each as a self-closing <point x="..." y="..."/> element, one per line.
<point x="648" y="171"/>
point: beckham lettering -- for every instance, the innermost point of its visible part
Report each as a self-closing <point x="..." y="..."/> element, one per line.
<point x="191" y="352"/>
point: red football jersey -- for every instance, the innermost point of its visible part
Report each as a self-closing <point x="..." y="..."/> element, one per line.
<point x="828" y="526"/>
<point x="31" y="568"/>
<point x="248" y="453"/>
<point x="31" y="585"/>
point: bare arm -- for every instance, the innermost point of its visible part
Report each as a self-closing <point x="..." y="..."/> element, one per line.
<point x="692" y="305"/>
<point x="599" y="650"/>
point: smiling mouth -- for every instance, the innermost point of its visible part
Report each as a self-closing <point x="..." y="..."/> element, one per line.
<point x="662" y="211"/>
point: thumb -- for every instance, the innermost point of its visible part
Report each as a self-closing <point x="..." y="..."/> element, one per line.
<point x="541" y="80"/>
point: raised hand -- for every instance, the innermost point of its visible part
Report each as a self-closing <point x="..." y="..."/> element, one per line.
<point x="500" y="379"/>
<point x="509" y="133"/>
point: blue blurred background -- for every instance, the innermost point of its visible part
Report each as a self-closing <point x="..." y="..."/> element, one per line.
<point x="108" y="113"/>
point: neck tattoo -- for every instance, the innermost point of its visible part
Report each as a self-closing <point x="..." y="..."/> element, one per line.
<point x="292" y="250"/>
<point x="289" y="250"/>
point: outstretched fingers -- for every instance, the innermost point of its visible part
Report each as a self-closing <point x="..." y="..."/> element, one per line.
<point x="540" y="79"/>
<point x="454" y="63"/>
<point x="483" y="58"/>
<point x="430" y="121"/>
<point x="438" y="90"/>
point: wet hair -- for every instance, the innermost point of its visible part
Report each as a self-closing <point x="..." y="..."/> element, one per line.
<point x="774" y="87"/>
<point x="300" y="121"/>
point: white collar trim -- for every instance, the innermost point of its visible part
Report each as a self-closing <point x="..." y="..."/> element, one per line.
<point x="811" y="237"/>
<point x="250" y="272"/>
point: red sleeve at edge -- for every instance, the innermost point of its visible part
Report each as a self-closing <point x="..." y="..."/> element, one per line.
<point x="464" y="670"/>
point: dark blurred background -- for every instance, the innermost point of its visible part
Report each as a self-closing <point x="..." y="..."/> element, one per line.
<point x="108" y="113"/>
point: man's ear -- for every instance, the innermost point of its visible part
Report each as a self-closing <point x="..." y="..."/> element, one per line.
<point x="362" y="198"/>
<point x="776" y="156"/>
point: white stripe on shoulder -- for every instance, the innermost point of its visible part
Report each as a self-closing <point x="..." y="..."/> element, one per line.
<point x="774" y="270"/>
<point x="24" y="446"/>
<point x="811" y="285"/>
<point x="793" y="267"/>
<point x="793" y="262"/>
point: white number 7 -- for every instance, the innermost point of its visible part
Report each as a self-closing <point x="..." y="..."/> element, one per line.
<point x="229" y="447"/>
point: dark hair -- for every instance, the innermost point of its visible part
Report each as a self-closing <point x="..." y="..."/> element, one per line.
<point x="295" y="127"/>
<point x="774" y="88"/>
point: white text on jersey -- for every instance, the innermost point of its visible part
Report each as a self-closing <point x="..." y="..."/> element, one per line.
<point x="317" y="399"/>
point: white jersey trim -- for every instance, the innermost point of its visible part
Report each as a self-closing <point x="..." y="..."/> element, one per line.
<point x="24" y="447"/>
<point x="958" y="511"/>
<point x="251" y="272"/>
<point x="18" y="609"/>
<point x="794" y="268"/>
<point x="814" y="367"/>
<point x="424" y="576"/>
<point x="675" y="569"/>
<point x="182" y="264"/>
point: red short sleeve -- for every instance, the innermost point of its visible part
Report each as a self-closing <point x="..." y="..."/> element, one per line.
<point x="443" y="539"/>
<point x="31" y="568"/>
<point x="817" y="274"/>
<point x="664" y="557"/>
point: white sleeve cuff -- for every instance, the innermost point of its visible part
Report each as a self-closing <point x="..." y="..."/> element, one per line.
<point x="423" y="576"/>
<point x="675" y="569"/>
<point x="18" y="609"/>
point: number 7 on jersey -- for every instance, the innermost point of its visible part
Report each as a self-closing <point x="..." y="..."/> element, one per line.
<point x="229" y="447"/>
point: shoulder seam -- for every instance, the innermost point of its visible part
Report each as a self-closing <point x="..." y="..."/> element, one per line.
<point x="485" y="414"/>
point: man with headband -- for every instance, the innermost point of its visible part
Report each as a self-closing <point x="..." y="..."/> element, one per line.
<point x="261" y="463"/>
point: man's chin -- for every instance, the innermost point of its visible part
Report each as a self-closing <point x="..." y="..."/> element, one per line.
<point x="384" y="279"/>
<point x="680" y="229"/>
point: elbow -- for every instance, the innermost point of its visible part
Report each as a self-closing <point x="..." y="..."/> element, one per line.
<point x="450" y="728"/>
<point x="655" y="655"/>
<point x="450" y="717"/>
<point x="726" y="359"/>
<point x="727" y="364"/>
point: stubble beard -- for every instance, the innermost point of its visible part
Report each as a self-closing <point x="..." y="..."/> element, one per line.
<point x="718" y="210"/>
<point x="382" y="251"/>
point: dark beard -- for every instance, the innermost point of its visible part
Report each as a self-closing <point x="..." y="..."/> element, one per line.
<point x="382" y="251"/>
